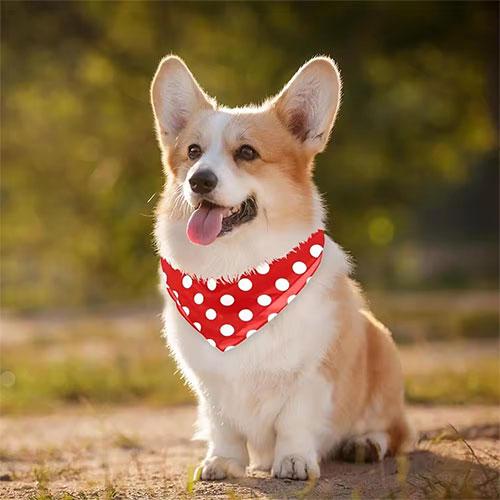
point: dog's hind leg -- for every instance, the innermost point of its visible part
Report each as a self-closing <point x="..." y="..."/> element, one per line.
<point x="369" y="447"/>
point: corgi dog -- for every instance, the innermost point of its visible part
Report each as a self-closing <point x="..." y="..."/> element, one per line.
<point x="323" y="378"/>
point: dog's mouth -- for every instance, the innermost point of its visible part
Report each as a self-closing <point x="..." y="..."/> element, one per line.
<point x="209" y="221"/>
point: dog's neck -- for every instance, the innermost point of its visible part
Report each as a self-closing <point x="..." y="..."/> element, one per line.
<point x="234" y="254"/>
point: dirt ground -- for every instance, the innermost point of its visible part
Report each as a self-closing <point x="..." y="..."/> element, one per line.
<point x="141" y="453"/>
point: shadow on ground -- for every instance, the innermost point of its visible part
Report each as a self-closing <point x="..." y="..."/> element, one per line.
<point x="422" y="474"/>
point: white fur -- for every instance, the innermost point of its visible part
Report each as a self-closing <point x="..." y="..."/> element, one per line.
<point x="260" y="392"/>
<point x="233" y="185"/>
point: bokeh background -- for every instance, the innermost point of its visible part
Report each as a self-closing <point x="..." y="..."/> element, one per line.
<point x="410" y="176"/>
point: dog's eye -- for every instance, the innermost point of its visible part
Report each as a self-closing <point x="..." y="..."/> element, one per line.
<point x="246" y="153"/>
<point x="194" y="151"/>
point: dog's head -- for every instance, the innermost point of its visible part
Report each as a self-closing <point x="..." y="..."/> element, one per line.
<point x="229" y="168"/>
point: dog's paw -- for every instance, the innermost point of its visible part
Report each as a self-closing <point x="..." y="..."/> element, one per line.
<point x="259" y="467"/>
<point x="295" y="467"/>
<point x="215" y="468"/>
<point x="368" y="448"/>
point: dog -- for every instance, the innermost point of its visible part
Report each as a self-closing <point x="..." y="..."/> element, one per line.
<point x="323" y="378"/>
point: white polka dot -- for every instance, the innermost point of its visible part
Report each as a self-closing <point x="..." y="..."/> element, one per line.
<point x="290" y="299"/>
<point x="299" y="267"/>
<point x="245" y="284"/>
<point x="229" y="347"/>
<point x="186" y="310"/>
<point x="212" y="342"/>
<point x="272" y="316"/>
<point x="197" y="326"/>
<point x="308" y="280"/>
<point x="210" y="314"/>
<point x="245" y="315"/>
<point x="282" y="284"/>
<point x="264" y="300"/>
<point x="176" y="294"/>
<point x="211" y="284"/>
<point x="227" y="330"/>
<point x="227" y="300"/>
<point x="250" y="333"/>
<point x="316" y="250"/>
<point x="263" y="268"/>
<point x="187" y="281"/>
<point x="198" y="298"/>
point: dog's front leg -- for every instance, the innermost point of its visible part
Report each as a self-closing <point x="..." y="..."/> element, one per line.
<point x="227" y="454"/>
<point x="298" y="429"/>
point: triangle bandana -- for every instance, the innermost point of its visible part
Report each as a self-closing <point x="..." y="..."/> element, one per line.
<point x="227" y="313"/>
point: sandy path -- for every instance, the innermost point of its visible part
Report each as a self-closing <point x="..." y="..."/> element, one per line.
<point x="147" y="453"/>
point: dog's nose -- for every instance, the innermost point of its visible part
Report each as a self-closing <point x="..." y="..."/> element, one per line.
<point x="203" y="181"/>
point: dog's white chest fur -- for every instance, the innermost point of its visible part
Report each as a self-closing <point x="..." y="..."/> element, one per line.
<point x="249" y="385"/>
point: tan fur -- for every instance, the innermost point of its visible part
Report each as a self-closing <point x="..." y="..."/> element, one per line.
<point x="363" y="365"/>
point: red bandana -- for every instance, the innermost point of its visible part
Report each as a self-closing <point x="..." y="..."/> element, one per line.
<point x="227" y="313"/>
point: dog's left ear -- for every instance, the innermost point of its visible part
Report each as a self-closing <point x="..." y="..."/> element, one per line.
<point x="309" y="102"/>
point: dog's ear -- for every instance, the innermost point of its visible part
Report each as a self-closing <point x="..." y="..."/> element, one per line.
<point x="309" y="102"/>
<point x="175" y="96"/>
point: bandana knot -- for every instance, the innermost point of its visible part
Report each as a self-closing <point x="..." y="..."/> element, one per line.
<point x="228" y="312"/>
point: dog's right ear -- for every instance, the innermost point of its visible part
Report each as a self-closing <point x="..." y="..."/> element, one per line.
<point x="175" y="97"/>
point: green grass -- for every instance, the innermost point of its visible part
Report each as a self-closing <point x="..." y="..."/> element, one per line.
<point x="43" y="477"/>
<point x="94" y="363"/>
<point x="480" y="384"/>
<point x="126" y="442"/>
<point x="100" y="365"/>
<point x="44" y="386"/>
<point x="419" y="316"/>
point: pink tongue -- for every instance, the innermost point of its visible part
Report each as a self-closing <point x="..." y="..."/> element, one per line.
<point x="205" y="224"/>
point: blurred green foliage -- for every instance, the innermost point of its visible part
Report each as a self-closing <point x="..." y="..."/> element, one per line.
<point x="105" y="361"/>
<point x="41" y="386"/>
<point x="410" y="176"/>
